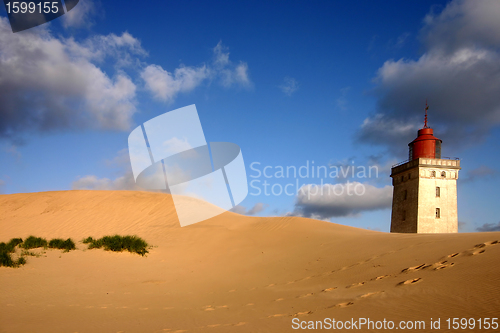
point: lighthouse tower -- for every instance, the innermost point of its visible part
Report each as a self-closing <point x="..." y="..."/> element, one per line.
<point x="425" y="188"/>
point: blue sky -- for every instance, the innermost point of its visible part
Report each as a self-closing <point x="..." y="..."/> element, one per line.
<point x="291" y="82"/>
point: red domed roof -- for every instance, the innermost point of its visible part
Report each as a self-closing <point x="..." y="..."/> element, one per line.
<point x="425" y="134"/>
<point x="426" y="144"/>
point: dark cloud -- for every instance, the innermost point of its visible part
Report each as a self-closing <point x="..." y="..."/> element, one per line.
<point x="481" y="172"/>
<point x="257" y="208"/>
<point x="459" y="74"/>
<point x="489" y="227"/>
<point x="50" y="83"/>
<point x="343" y="199"/>
<point x="463" y="24"/>
<point x="462" y="226"/>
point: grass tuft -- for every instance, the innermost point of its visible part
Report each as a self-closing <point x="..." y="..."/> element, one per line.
<point x="118" y="243"/>
<point x="10" y="246"/>
<point x="6" y="250"/>
<point x="66" y="245"/>
<point x="20" y="261"/>
<point x="33" y="242"/>
<point x="88" y="240"/>
<point x="6" y="259"/>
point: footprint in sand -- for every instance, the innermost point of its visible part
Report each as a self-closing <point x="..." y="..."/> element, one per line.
<point x="381" y="277"/>
<point x="279" y="299"/>
<point x="371" y="294"/>
<point x="277" y="315"/>
<point x="442" y="264"/>
<point x="412" y="281"/>
<point x="415" y="268"/>
<point x="328" y="289"/>
<point x="302" y="313"/>
<point x="306" y="295"/>
<point x="479" y="248"/>
<point x="344" y="305"/>
<point x="241" y="323"/>
<point x="478" y="251"/>
<point x="356" y="285"/>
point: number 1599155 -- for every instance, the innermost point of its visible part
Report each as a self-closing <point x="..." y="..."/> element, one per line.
<point x="31" y="7"/>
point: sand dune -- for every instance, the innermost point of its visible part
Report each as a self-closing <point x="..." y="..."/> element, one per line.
<point x="231" y="273"/>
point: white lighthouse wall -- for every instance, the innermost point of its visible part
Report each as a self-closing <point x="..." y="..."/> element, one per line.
<point x="405" y="207"/>
<point x="414" y="200"/>
<point x="428" y="222"/>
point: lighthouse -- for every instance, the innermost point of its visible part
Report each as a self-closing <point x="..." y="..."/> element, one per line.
<point x="425" y="188"/>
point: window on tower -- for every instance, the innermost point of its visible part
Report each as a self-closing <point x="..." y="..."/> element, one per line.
<point x="443" y="174"/>
<point x="438" y="191"/>
<point x="438" y="213"/>
<point x="433" y="173"/>
<point x="405" y="194"/>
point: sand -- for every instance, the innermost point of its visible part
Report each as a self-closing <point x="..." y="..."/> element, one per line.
<point x="232" y="273"/>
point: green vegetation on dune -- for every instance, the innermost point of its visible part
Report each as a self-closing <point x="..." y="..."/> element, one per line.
<point x="66" y="245"/>
<point x="33" y="242"/>
<point x="6" y="249"/>
<point x="118" y="243"/>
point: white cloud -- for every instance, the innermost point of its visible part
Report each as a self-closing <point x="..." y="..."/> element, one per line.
<point x="12" y="150"/>
<point x="165" y="85"/>
<point x="221" y="55"/>
<point x="289" y="86"/>
<point x="80" y="15"/>
<point x="401" y="40"/>
<point x="52" y="83"/>
<point x="459" y="74"/>
<point x="175" y="145"/>
<point x="342" y="100"/>
<point x="92" y="182"/>
<point x="343" y="199"/>
<point x="151" y="179"/>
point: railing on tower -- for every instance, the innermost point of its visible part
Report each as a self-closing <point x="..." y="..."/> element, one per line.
<point x="442" y="158"/>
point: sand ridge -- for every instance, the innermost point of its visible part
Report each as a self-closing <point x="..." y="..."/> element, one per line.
<point x="231" y="273"/>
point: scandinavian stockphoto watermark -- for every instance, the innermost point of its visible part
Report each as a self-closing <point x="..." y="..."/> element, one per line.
<point x="290" y="180"/>
<point x="169" y="152"/>
<point x="24" y="15"/>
